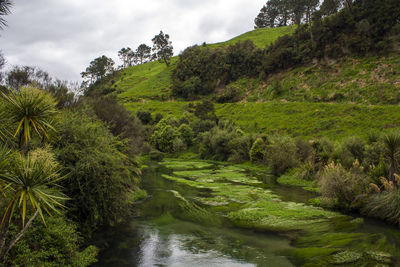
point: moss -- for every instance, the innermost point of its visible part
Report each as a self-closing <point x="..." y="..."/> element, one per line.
<point x="380" y="256"/>
<point x="345" y="257"/>
<point x="307" y="254"/>
<point x="184" y="165"/>
<point x="165" y="219"/>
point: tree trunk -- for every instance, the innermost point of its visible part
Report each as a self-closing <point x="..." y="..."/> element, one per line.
<point x="18" y="236"/>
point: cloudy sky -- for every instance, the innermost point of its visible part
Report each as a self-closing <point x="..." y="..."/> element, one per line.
<point x="63" y="36"/>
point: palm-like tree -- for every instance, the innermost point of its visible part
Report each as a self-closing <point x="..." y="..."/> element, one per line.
<point x="30" y="186"/>
<point x="5" y="9"/>
<point x="32" y="111"/>
<point x="392" y="152"/>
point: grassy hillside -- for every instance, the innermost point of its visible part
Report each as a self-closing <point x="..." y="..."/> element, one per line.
<point x="260" y="37"/>
<point x="327" y="98"/>
<point x="298" y="119"/>
<point x="153" y="80"/>
<point x="369" y="80"/>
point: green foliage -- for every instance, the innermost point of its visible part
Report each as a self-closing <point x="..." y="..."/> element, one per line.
<point x="165" y="136"/>
<point x="258" y="150"/>
<point x="162" y="48"/>
<point x="281" y="154"/>
<point x="225" y="142"/>
<point x="100" y="175"/>
<point x="144" y="116"/>
<point x="31" y="111"/>
<point x="201" y="70"/>
<point x="385" y="206"/>
<point x="98" y="69"/>
<point x="186" y="133"/>
<point x="348" y="187"/>
<point x="33" y="183"/>
<point x="55" y="244"/>
<point x="120" y="121"/>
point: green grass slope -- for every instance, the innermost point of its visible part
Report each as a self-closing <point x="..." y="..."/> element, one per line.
<point x="153" y="80"/>
<point x="368" y="80"/>
<point x="260" y="37"/>
<point x="303" y="119"/>
<point x="349" y="96"/>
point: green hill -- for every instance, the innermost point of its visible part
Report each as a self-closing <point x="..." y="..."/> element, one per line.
<point x="260" y="37"/>
<point x="153" y="80"/>
<point x="333" y="98"/>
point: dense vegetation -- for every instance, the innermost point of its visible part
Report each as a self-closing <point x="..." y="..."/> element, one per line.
<point x="65" y="163"/>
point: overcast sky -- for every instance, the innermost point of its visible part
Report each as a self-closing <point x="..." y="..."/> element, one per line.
<point x="63" y="36"/>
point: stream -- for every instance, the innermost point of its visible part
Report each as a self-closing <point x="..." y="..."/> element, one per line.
<point x="172" y="227"/>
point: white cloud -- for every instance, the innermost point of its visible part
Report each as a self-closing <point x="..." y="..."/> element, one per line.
<point x="63" y="36"/>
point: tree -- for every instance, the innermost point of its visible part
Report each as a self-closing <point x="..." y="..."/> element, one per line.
<point x="162" y="48"/>
<point x="330" y="7"/>
<point x="31" y="111"/>
<point x="126" y="55"/>
<point x="267" y="16"/>
<point x="30" y="185"/>
<point x="20" y="76"/>
<point x="143" y="53"/>
<point x="277" y="13"/>
<point x="5" y="9"/>
<point x="98" y="69"/>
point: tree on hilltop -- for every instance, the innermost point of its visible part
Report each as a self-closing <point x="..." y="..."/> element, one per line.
<point x="98" y="69"/>
<point x="143" y="53"/>
<point x="127" y="57"/>
<point x="162" y="48"/>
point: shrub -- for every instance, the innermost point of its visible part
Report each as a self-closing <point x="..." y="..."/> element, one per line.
<point x="186" y="134"/>
<point x="347" y="186"/>
<point x="385" y="206"/>
<point x="258" y="151"/>
<point x="163" y="139"/>
<point x="120" y="121"/>
<point x="55" y="244"/>
<point x="144" y="116"/>
<point x="100" y="175"/>
<point x="281" y="154"/>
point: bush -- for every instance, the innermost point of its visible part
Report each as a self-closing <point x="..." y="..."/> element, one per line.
<point x="348" y="187"/>
<point x="163" y="139"/>
<point x="258" y="151"/>
<point x="55" y="244"/>
<point x="281" y="154"/>
<point x="144" y="116"/>
<point x="385" y="206"/>
<point x="120" y="121"/>
<point x="100" y="175"/>
<point x="186" y="133"/>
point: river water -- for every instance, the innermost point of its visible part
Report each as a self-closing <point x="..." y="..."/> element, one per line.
<point x="159" y="235"/>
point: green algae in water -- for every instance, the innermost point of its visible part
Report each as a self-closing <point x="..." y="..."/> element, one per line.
<point x="319" y="234"/>
<point x="185" y="165"/>
<point x="346" y="257"/>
